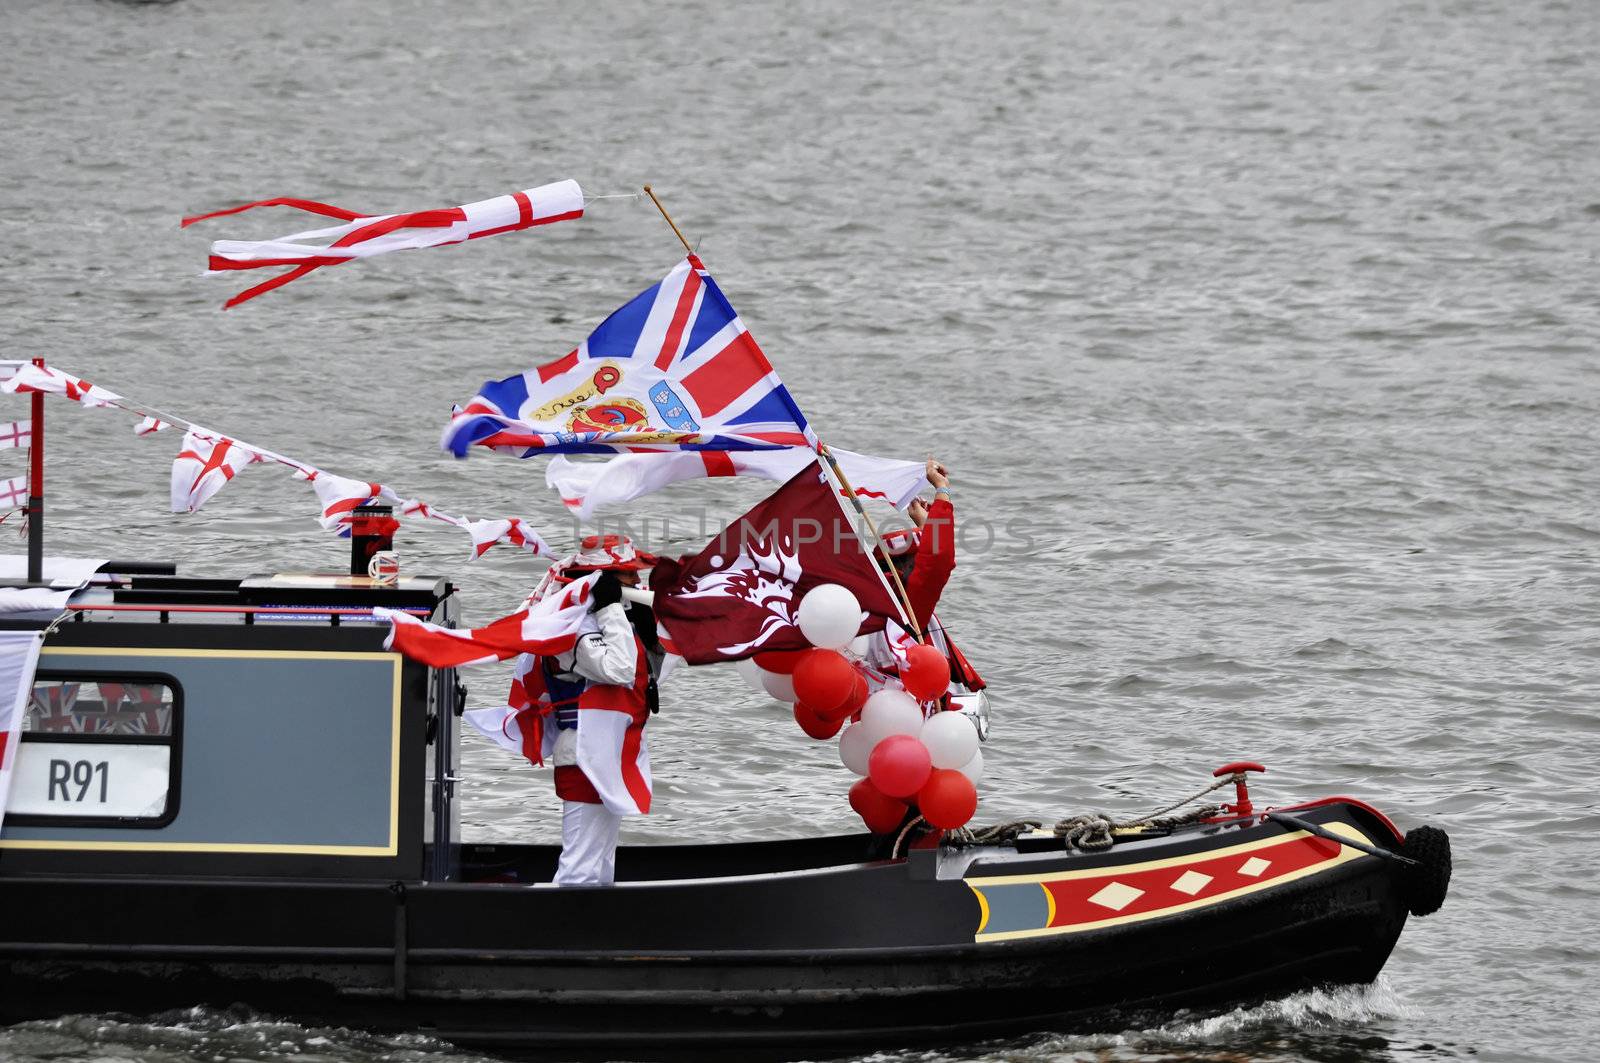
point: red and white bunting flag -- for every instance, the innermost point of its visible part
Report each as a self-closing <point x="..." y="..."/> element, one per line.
<point x="17" y="434"/>
<point x="585" y="487"/>
<point x="365" y="235"/>
<point x="544" y="629"/>
<point x="19" y="657"/>
<point x="13" y="492"/>
<point x="149" y="426"/>
<point x="417" y="509"/>
<point x="206" y="462"/>
<point x="340" y="497"/>
<point x="513" y="530"/>
<point x="53" y="381"/>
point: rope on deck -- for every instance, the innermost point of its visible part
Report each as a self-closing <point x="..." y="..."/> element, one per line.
<point x="1091" y="832"/>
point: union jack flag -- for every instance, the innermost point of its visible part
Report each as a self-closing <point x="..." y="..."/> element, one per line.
<point x="136" y="708"/>
<point x="673" y="369"/>
<point x="53" y="708"/>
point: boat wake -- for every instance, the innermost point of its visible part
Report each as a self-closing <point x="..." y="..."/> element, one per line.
<point x="211" y="1035"/>
<point x="1352" y="1024"/>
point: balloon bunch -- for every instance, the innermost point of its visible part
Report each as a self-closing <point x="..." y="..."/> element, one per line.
<point x="907" y="750"/>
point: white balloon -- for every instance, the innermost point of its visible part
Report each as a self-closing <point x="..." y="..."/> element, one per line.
<point x="777" y="684"/>
<point x="750" y="672"/>
<point x="855" y="746"/>
<point x="891" y="712"/>
<point x="829" y="616"/>
<point x="860" y="645"/>
<point x="951" y="739"/>
<point x="973" y="769"/>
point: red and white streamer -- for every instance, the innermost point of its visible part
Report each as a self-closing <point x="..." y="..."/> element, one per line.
<point x="544" y="629"/>
<point x="366" y="235"/>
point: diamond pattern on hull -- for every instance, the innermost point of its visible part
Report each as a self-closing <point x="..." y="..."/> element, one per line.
<point x="1116" y="896"/>
<point x="1191" y="882"/>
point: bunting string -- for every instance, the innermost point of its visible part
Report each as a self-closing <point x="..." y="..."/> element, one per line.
<point x="209" y="459"/>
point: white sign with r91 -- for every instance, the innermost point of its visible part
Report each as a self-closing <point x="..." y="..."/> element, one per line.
<point x="90" y="779"/>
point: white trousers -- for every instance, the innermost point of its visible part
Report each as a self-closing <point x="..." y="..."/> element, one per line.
<point x="588" y="845"/>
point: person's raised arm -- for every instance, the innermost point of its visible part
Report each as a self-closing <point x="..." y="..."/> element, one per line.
<point x="607" y="655"/>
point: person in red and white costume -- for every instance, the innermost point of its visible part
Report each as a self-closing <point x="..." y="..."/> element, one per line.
<point x="603" y="692"/>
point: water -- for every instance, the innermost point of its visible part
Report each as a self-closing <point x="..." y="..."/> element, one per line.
<point x="1262" y="334"/>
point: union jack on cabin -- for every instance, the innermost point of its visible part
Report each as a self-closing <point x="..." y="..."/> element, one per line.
<point x="53" y="709"/>
<point x="673" y="369"/>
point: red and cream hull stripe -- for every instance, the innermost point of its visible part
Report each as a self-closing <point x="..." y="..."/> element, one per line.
<point x="1068" y="901"/>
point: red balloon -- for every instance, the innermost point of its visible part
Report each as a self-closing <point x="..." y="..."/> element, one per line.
<point x="899" y="765"/>
<point x="948" y="799"/>
<point x="851" y="706"/>
<point x="814" y="723"/>
<point x="880" y="812"/>
<point x="780" y="661"/>
<point x="926" y="674"/>
<point x="823" y="679"/>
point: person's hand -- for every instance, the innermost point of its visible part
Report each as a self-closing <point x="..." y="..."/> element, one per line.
<point x="938" y="475"/>
<point x="607" y="590"/>
<point x="918" y="512"/>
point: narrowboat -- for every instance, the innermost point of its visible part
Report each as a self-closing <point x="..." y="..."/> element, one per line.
<point x="228" y="791"/>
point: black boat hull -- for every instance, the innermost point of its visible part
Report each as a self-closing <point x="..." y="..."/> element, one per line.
<point x="798" y="962"/>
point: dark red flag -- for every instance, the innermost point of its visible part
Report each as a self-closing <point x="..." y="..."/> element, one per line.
<point x="739" y="595"/>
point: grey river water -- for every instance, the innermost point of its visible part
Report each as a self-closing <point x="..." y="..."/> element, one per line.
<point x="1260" y="335"/>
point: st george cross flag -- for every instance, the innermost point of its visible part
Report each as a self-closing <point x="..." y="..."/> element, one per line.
<point x="13" y="492"/>
<point x="19" y="656"/>
<point x="53" y="381"/>
<point x="512" y="530"/>
<point x="673" y="369"/>
<point x="340" y="497"/>
<point x="365" y="235"/>
<point x="545" y="628"/>
<point x="739" y="596"/>
<point x="206" y="462"/>
<point x="17" y="434"/>
<point x="149" y="426"/>
<point x="585" y="487"/>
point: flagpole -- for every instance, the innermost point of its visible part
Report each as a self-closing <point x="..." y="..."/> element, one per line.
<point x="677" y="231"/>
<point x="843" y="482"/>
<point x="35" y="508"/>
<point x="883" y="550"/>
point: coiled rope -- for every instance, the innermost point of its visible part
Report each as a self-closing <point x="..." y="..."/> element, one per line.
<point x="1091" y="832"/>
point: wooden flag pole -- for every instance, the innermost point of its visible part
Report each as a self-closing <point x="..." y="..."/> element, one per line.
<point x="883" y="549"/>
<point x="679" y="232"/>
<point x="843" y="481"/>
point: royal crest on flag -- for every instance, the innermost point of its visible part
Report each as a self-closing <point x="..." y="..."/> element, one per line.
<point x="673" y="369"/>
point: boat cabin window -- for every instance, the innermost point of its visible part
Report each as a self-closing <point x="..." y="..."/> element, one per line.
<point x="98" y="751"/>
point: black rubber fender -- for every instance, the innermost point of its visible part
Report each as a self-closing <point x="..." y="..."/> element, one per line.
<point x="1428" y="880"/>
